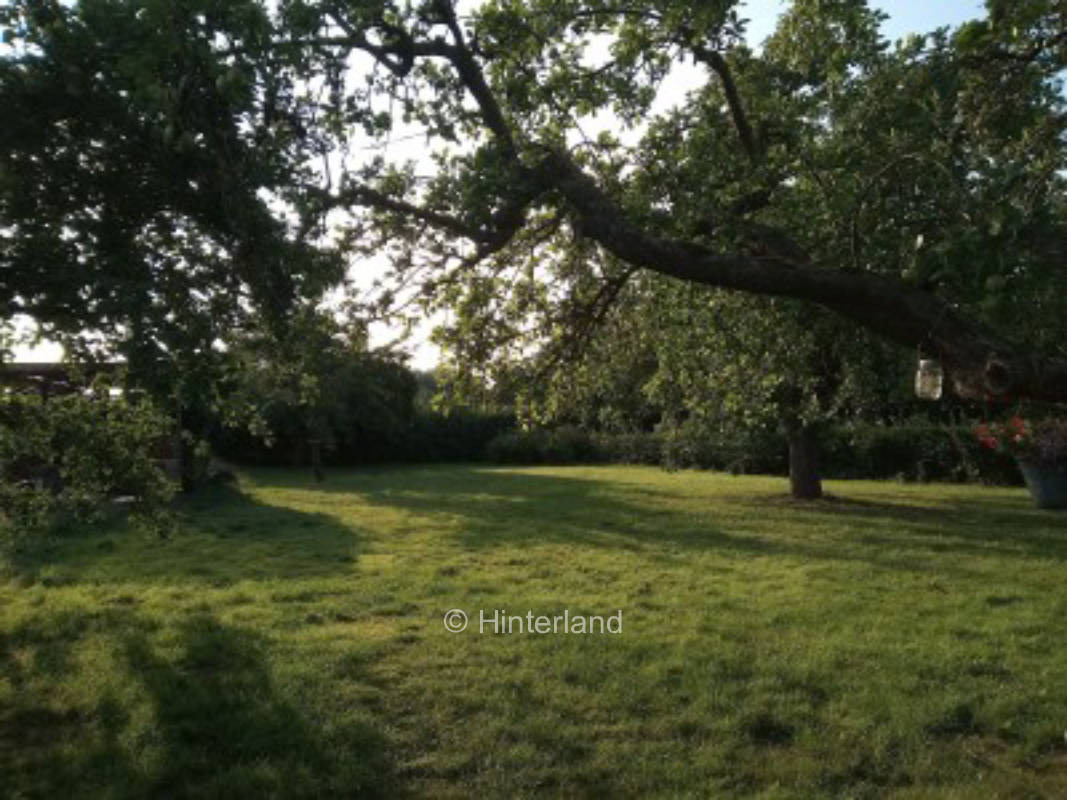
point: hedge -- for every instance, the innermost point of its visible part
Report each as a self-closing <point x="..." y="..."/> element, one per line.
<point x="429" y="437"/>
<point x="908" y="453"/>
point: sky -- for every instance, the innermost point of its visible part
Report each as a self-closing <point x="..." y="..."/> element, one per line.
<point x="905" y="16"/>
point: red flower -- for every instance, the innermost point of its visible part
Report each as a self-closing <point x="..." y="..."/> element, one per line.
<point x="1012" y="435"/>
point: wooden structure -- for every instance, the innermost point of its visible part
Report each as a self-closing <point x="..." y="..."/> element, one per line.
<point x="49" y="377"/>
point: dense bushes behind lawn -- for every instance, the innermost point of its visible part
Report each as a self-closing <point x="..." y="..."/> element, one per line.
<point x="915" y="452"/>
<point x="910" y="453"/>
<point x="429" y="437"/>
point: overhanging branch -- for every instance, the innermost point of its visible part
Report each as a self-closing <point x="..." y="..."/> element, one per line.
<point x="980" y="363"/>
<point x="714" y="60"/>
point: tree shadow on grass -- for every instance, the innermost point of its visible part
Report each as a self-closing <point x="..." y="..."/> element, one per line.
<point x="495" y="507"/>
<point x="223" y="536"/>
<point x="959" y="523"/>
<point x="227" y="733"/>
<point x="209" y="722"/>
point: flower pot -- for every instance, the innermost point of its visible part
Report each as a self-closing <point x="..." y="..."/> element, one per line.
<point x="1047" y="485"/>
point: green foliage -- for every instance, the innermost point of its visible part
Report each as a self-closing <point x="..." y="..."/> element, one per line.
<point x="913" y="452"/>
<point x="631" y="448"/>
<point x="694" y="443"/>
<point x="161" y="182"/>
<point x="137" y="172"/>
<point x="459" y="435"/>
<point x="65" y="459"/>
<point x="938" y="162"/>
<point x="564" y="445"/>
<point x="427" y="437"/>
<point x="315" y="381"/>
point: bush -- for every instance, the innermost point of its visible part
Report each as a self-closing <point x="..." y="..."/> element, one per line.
<point x="462" y="435"/>
<point x="914" y="453"/>
<point x="692" y="444"/>
<point x="630" y="448"/>
<point x="684" y="446"/>
<point x="65" y="459"/>
<point x="564" y="445"/>
<point x="911" y="453"/>
<point x="430" y="437"/>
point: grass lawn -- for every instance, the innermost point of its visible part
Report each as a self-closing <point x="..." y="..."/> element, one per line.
<point x="901" y="641"/>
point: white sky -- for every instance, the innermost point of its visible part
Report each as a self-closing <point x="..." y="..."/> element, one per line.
<point x="905" y="16"/>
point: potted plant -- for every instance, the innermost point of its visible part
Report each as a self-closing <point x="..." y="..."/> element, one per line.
<point x="1040" y="448"/>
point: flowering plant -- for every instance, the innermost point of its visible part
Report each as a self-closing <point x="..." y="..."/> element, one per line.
<point x="1042" y="443"/>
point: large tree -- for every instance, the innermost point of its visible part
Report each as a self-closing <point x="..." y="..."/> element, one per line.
<point x="914" y="191"/>
<point x="141" y="173"/>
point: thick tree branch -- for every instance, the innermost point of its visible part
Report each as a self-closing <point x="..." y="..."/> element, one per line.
<point x="979" y="362"/>
<point x="1020" y="57"/>
<point x="471" y="75"/>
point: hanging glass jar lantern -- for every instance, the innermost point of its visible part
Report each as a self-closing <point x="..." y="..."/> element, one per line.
<point x="929" y="378"/>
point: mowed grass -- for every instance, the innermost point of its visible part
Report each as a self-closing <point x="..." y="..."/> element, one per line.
<point x="898" y="641"/>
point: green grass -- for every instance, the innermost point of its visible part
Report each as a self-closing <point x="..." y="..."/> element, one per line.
<point x="901" y="641"/>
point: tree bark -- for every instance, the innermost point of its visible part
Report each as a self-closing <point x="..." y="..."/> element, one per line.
<point x="316" y="459"/>
<point x="804" y="480"/>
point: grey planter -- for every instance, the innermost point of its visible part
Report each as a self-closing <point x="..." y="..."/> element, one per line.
<point x="1047" y="485"/>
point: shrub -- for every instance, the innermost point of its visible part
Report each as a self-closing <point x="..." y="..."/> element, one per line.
<point x="914" y="453"/>
<point x="694" y="444"/>
<point x="564" y="445"/>
<point x="909" y="452"/>
<point x="630" y="448"/>
<point x="462" y="435"/>
<point x="65" y="459"/>
<point x="430" y="436"/>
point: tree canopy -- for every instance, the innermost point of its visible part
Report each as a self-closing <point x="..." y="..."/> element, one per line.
<point x="914" y="190"/>
<point x="135" y="170"/>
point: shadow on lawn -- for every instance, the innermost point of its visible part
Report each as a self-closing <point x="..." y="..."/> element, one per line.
<point x="504" y="508"/>
<point x="223" y="536"/>
<point x="964" y="525"/>
<point x="207" y="723"/>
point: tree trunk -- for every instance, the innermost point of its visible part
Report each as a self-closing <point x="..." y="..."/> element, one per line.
<point x="804" y="480"/>
<point x="181" y="450"/>
<point x="316" y="459"/>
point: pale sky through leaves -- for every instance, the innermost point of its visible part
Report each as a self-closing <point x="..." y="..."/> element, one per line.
<point x="905" y="16"/>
